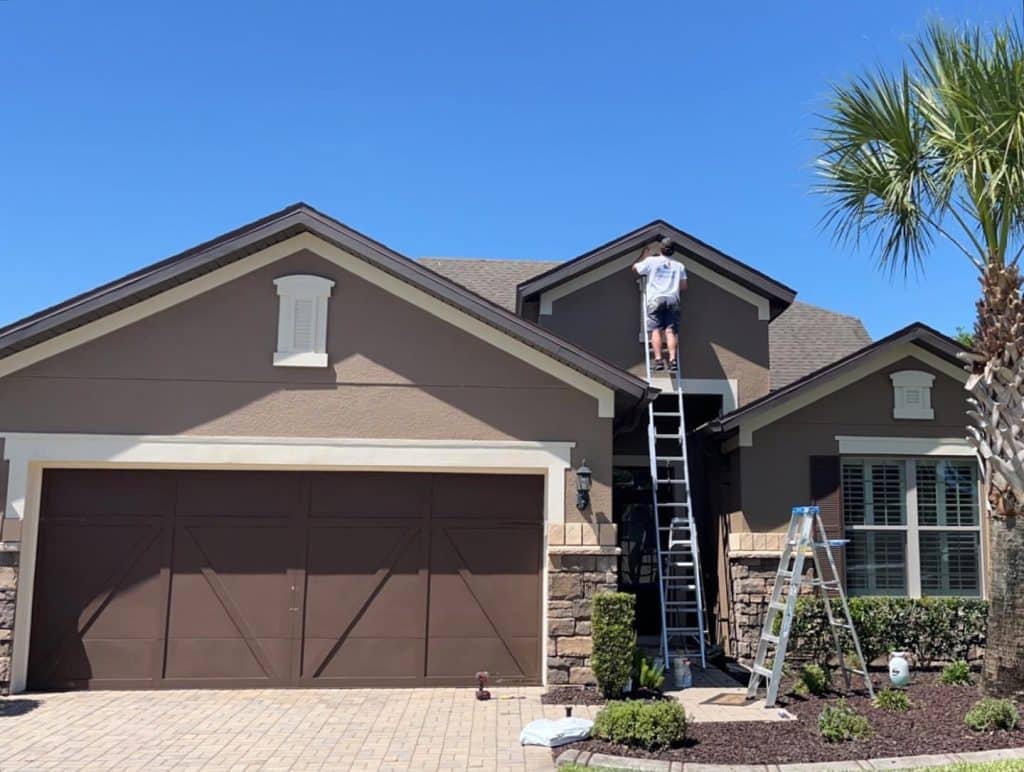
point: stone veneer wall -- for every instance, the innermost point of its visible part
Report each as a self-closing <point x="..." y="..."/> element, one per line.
<point x="577" y="570"/>
<point x="753" y="562"/>
<point x="8" y="590"/>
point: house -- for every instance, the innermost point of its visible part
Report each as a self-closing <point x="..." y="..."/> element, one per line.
<point x="291" y="456"/>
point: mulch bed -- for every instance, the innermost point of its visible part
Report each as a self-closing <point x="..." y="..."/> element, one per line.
<point x="588" y="695"/>
<point x="934" y="724"/>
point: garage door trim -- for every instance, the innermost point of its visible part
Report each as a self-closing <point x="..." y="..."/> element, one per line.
<point x="28" y="454"/>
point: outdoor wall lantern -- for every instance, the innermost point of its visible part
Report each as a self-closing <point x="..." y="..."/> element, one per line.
<point x="583" y="479"/>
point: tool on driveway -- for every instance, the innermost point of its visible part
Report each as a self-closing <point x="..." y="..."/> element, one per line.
<point x="481" y="692"/>
<point x="806" y="537"/>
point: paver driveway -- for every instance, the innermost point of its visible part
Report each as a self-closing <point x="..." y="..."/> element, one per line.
<point x="298" y="729"/>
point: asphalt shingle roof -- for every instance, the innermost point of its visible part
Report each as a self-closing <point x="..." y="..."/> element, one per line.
<point x="801" y="339"/>
<point x="805" y="338"/>
<point x="494" y="280"/>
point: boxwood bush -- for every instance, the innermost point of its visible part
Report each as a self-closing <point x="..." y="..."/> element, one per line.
<point x="650" y="725"/>
<point x="892" y="700"/>
<point x="930" y="629"/>
<point x="840" y="723"/>
<point x="612" y="620"/>
<point x="990" y="713"/>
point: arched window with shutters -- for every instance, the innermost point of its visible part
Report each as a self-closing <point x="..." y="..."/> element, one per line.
<point x="302" y="321"/>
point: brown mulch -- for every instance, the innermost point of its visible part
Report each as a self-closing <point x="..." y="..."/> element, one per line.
<point x="934" y="724"/>
<point x="588" y="695"/>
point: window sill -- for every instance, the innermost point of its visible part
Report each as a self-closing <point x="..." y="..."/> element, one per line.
<point x="300" y="359"/>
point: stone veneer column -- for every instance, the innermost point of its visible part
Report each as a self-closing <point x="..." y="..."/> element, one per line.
<point x="8" y="591"/>
<point x="582" y="561"/>
<point x="753" y="563"/>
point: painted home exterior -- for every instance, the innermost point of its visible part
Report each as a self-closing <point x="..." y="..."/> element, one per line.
<point x="293" y="457"/>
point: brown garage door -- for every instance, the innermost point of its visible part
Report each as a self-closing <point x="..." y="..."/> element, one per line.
<point x="150" y="579"/>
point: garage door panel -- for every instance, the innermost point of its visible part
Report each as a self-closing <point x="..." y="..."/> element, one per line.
<point x="240" y="494"/>
<point x="369" y="494"/>
<point x="114" y="659"/>
<point x="362" y="658"/>
<point x="229" y="659"/>
<point x="495" y="498"/>
<point x="457" y="659"/>
<point x="107" y="493"/>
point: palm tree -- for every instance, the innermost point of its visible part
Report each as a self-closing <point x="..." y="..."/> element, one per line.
<point x="935" y="151"/>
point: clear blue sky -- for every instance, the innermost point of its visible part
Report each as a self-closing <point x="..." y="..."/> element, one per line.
<point x="132" y="130"/>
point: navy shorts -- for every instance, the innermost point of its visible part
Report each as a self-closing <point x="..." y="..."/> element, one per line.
<point x="663" y="314"/>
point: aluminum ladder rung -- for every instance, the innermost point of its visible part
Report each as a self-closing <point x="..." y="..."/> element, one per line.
<point x="773" y="639"/>
<point x="667" y="459"/>
<point x="663" y="414"/>
<point x="762" y="671"/>
<point x="670" y="481"/>
<point x="673" y="504"/>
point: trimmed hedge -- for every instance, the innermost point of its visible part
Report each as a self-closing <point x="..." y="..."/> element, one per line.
<point x="613" y="617"/>
<point x="929" y="629"/>
<point x="650" y="725"/>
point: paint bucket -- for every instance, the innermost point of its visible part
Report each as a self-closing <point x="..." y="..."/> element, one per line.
<point x="899" y="669"/>
<point x="681" y="672"/>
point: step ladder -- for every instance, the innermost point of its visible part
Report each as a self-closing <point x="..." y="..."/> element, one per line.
<point x="680" y="586"/>
<point x="806" y="538"/>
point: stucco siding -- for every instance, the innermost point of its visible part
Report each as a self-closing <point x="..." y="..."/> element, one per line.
<point x="776" y="469"/>
<point x="204" y="367"/>
<point x="720" y="334"/>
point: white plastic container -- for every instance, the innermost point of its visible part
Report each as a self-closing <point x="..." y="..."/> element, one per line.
<point x="899" y="669"/>
<point x="681" y="672"/>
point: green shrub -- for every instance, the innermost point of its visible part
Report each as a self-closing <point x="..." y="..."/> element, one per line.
<point x="990" y="713"/>
<point x="650" y="676"/>
<point x="612" y="622"/>
<point x="929" y="629"/>
<point x="815" y="679"/>
<point x="649" y="725"/>
<point x="892" y="700"/>
<point x="840" y="723"/>
<point x="800" y="688"/>
<point x="956" y="673"/>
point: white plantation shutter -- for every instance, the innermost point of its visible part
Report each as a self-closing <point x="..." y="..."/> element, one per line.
<point x="303" y="329"/>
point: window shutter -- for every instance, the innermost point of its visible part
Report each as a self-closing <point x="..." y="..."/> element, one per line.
<point x="826" y="494"/>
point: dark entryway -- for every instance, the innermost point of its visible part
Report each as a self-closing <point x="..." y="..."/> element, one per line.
<point x="152" y="578"/>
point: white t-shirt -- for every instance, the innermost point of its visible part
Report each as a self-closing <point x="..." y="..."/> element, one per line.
<point x="663" y="277"/>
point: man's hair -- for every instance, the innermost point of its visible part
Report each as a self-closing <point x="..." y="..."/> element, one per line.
<point x="666" y="246"/>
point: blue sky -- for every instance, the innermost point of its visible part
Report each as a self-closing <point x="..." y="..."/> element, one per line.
<point x="130" y="131"/>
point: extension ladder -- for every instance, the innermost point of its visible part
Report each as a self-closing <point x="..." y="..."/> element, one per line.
<point x="680" y="586"/>
<point x="806" y="537"/>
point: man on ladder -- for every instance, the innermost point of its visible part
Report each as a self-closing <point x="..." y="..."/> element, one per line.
<point x="666" y="279"/>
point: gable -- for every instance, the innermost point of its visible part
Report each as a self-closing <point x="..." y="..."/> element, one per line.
<point x="170" y="282"/>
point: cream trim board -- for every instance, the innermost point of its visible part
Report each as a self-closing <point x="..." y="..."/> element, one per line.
<point x="727" y="388"/>
<point x="29" y="454"/>
<point x="814" y="393"/>
<point x="903" y="446"/>
<point x="604" y="395"/>
<point x="623" y="263"/>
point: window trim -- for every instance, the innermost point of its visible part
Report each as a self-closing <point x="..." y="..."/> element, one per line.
<point x="912" y="528"/>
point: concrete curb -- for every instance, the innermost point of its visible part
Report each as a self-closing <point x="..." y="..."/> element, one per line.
<point x="606" y="761"/>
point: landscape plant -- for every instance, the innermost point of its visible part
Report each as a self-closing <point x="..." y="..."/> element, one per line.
<point x="815" y="679"/>
<point x="646" y="674"/>
<point x="935" y="150"/>
<point x="612" y="618"/>
<point x="841" y="723"/>
<point x="651" y="725"/>
<point x="892" y="700"/>
<point x="956" y="673"/>
<point x="991" y="713"/>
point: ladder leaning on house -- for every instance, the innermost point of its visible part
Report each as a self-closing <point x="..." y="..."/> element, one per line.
<point x="806" y="537"/>
<point x="680" y="585"/>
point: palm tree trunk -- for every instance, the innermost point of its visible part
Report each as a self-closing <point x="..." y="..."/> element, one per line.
<point x="997" y="410"/>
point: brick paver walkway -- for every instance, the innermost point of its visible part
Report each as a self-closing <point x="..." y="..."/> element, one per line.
<point x="293" y="729"/>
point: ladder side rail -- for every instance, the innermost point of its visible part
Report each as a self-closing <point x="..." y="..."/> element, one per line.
<point x="846" y="608"/>
<point x="833" y="623"/>
<point x="769" y="618"/>
<point x="653" y="464"/>
<point x="787" y="620"/>
<point x="692" y="523"/>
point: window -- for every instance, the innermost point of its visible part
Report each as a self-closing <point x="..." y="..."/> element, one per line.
<point x="912" y="526"/>
<point x="302" y="321"/>
<point x="912" y="395"/>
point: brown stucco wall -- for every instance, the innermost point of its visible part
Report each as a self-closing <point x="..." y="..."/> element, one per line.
<point x="776" y="470"/>
<point x="720" y="334"/>
<point x="204" y="367"/>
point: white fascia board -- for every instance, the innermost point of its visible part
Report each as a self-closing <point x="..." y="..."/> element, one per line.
<point x="850" y="445"/>
<point x="814" y="393"/>
<point x="727" y="388"/>
<point x="604" y="395"/>
<point x="28" y="455"/>
<point x="625" y="262"/>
